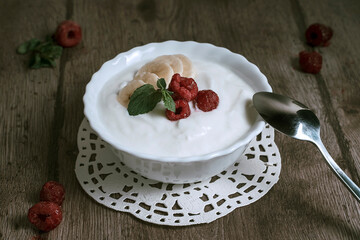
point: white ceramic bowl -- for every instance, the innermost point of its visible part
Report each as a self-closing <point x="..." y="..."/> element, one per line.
<point x="165" y="169"/>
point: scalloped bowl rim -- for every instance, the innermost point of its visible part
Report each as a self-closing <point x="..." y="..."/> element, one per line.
<point x="88" y="98"/>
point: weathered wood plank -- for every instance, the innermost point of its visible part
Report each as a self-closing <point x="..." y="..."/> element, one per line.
<point x="340" y="76"/>
<point x="305" y="178"/>
<point x="27" y="113"/>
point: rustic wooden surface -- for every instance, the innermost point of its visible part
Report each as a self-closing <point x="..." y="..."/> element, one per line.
<point x="41" y="111"/>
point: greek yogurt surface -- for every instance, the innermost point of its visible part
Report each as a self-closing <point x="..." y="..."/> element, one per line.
<point x="201" y="133"/>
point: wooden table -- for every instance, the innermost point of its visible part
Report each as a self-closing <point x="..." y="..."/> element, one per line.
<point x="41" y="111"/>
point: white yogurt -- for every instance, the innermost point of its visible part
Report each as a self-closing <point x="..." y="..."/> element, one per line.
<point x="201" y="133"/>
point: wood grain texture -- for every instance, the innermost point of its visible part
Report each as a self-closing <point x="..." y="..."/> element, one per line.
<point x="41" y="111"/>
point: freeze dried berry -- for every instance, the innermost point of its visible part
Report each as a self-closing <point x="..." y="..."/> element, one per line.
<point x="310" y="62"/>
<point x="68" y="34"/>
<point x="45" y="215"/>
<point x="207" y="100"/>
<point x="182" y="110"/>
<point x="185" y="88"/>
<point x="52" y="192"/>
<point x="318" y="35"/>
<point x="176" y="96"/>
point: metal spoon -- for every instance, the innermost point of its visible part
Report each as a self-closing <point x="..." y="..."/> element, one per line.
<point x="298" y="121"/>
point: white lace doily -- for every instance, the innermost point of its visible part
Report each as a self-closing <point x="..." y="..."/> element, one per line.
<point x="108" y="181"/>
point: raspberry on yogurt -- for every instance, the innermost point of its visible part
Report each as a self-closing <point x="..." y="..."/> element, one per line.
<point x="207" y="100"/>
<point x="182" y="110"/>
<point x="183" y="88"/>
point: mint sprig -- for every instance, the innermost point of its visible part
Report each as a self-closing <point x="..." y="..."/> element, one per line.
<point x="145" y="98"/>
<point x="43" y="54"/>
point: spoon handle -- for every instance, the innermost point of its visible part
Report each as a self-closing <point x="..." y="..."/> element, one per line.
<point x="352" y="187"/>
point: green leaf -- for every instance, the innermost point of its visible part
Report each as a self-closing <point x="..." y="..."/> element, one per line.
<point x="56" y="51"/>
<point x="161" y="83"/>
<point x="47" y="62"/>
<point x="28" y="46"/>
<point x="168" y="100"/>
<point x="51" y="52"/>
<point x="52" y="63"/>
<point x="33" y="43"/>
<point x="43" y="53"/>
<point x="143" y="100"/>
<point x="49" y="38"/>
<point x="35" y="61"/>
<point x="23" y="48"/>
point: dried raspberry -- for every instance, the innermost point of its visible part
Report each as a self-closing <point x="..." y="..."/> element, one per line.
<point x="176" y="96"/>
<point x="183" y="87"/>
<point x="68" y="34"/>
<point x="45" y="215"/>
<point x="310" y="62"/>
<point x="182" y="110"/>
<point x="207" y="100"/>
<point x="52" y="192"/>
<point x="318" y="35"/>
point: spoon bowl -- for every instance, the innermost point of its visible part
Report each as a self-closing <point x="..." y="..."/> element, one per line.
<point x="294" y="119"/>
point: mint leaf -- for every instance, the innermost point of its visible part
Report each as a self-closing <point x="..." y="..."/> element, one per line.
<point x="43" y="53"/>
<point x="28" y="46"/>
<point x="23" y="48"/>
<point x="166" y="95"/>
<point x="33" y="43"/>
<point x="161" y="83"/>
<point x="49" y="50"/>
<point x="52" y="62"/>
<point x="35" y="61"/>
<point x="168" y="100"/>
<point x="143" y="100"/>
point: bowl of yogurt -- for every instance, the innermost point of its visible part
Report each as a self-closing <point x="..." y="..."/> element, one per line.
<point x="191" y="149"/>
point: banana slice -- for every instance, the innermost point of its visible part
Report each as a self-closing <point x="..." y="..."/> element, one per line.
<point x="174" y="62"/>
<point x="124" y="94"/>
<point x="161" y="69"/>
<point x="188" y="70"/>
<point x="148" y="77"/>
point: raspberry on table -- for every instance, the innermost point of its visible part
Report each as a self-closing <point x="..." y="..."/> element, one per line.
<point x="318" y="35"/>
<point x="45" y="215"/>
<point x="52" y="192"/>
<point x="182" y="110"/>
<point x="185" y="88"/>
<point x="310" y="62"/>
<point x="207" y="100"/>
<point x="68" y="34"/>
